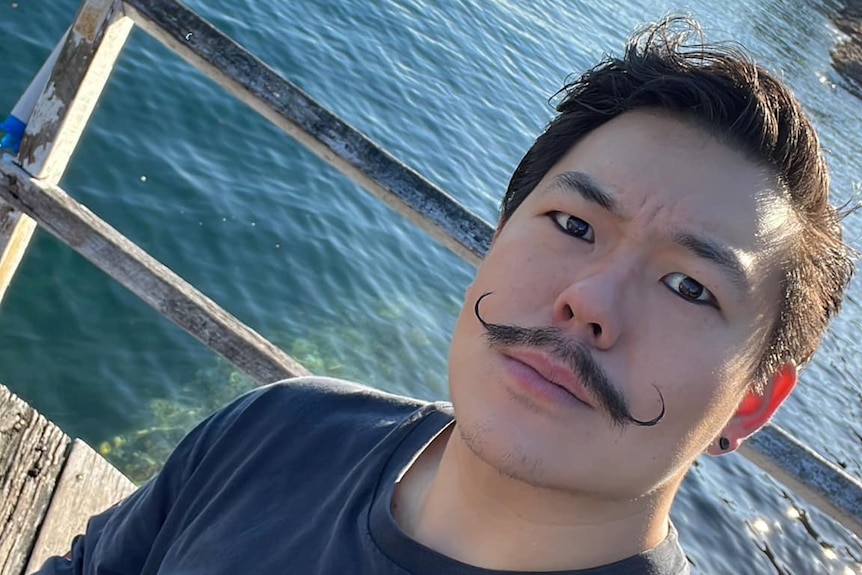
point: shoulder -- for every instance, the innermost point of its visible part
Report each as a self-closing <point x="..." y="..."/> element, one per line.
<point x="306" y="407"/>
<point x="313" y="395"/>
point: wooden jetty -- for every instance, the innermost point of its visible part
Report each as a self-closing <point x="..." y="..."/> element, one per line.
<point x="49" y="483"/>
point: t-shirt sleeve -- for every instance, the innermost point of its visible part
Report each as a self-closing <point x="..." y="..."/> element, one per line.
<point x="122" y="539"/>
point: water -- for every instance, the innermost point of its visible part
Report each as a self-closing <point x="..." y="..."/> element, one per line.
<point x="336" y="278"/>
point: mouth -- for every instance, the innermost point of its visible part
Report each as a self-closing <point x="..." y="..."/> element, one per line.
<point x="552" y="372"/>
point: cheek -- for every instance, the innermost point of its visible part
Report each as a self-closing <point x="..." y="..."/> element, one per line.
<point x="516" y="274"/>
<point x="696" y="364"/>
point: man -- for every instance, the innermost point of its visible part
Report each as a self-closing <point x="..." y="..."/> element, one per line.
<point x="666" y="258"/>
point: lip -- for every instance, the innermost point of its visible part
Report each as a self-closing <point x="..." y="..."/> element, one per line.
<point x="553" y="372"/>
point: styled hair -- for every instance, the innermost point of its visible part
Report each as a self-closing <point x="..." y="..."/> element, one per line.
<point x="668" y="67"/>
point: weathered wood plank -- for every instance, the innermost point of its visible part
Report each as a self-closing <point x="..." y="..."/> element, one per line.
<point x="88" y="485"/>
<point x="16" y="229"/>
<point x="85" y="63"/>
<point x="286" y="106"/>
<point x="805" y="472"/>
<point x="32" y="452"/>
<point x="74" y="85"/>
<point x="149" y="279"/>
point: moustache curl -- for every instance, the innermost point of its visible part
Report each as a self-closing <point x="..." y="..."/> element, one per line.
<point x="574" y="355"/>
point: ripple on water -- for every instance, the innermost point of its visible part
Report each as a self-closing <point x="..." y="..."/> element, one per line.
<point x="306" y="258"/>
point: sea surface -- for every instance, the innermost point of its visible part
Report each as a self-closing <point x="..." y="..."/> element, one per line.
<point x="455" y="89"/>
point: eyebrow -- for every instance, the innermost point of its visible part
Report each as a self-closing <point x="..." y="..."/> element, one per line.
<point x="584" y="185"/>
<point x="718" y="254"/>
<point x="722" y="256"/>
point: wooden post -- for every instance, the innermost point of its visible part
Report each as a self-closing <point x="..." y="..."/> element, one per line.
<point x="32" y="453"/>
<point x="91" y="47"/>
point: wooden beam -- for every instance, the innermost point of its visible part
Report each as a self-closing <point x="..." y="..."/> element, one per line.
<point x="322" y="132"/>
<point x="91" y="47"/>
<point x="149" y="279"/>
<point x="88" y="485"/>
<point x="85" y="63"/>
<point x="32" y="453"/>
<point x="805" y="472"/>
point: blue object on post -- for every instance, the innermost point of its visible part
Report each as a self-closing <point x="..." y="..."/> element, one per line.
<point x="14" y="129"/>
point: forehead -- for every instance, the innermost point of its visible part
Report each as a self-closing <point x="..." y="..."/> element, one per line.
<point x="667" y="173"/>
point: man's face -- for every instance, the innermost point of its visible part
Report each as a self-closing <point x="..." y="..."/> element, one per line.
<point x="651" y="249"/>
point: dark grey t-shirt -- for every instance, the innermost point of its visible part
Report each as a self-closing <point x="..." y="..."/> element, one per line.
<point x="295" y="477"/>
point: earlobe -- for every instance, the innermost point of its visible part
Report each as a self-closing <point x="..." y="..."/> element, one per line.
<point x="755" y="411"/>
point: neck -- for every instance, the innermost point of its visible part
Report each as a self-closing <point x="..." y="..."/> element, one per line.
<point x="455" y="503"/>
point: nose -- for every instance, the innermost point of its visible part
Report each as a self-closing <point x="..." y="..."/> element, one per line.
<point x="591" y="307"/>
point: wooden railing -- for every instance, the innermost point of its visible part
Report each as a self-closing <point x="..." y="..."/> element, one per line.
<point x="28" y="187"/>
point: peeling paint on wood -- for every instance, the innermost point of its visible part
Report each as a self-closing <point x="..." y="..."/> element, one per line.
<point x="49" y="113"/>
<point x="77" y="80"/>
<point x="62" y="111"/>
<point x="40" y="155"/>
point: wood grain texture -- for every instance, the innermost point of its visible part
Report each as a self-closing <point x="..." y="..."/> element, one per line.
<point x="77" y="80"/>
<point x="149" y="279"/>
<point x="88" y="485"/>
<point x="32" y="453"/>
<point x="318" y="129"/>
<point x="83" y="67"/>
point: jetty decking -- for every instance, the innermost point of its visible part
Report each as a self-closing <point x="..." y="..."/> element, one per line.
<point x="51" y="483"/>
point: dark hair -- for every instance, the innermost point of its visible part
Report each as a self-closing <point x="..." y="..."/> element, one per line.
<point x="723" y="90"/>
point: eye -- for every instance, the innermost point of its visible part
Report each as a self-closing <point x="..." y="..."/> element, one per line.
<point x="574" y="226"/>
<point x="689" y="289"/>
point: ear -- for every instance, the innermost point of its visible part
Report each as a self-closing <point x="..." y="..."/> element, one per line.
<point x="756" y="410"/>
